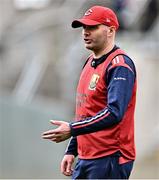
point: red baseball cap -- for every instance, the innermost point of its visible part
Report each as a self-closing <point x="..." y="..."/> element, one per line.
<point x="97" y="15"/>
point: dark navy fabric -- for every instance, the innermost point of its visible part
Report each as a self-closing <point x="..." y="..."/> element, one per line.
<point x="72" y="147"/>
<point x="102" y="168"/>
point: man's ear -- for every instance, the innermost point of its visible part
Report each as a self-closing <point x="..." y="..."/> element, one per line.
<point x="111" y="30"/>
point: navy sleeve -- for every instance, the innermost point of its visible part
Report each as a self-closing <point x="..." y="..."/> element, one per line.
<point x="72" y="147"/>
<point x="120" y="80"/>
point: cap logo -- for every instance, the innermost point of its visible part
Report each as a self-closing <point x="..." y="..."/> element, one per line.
<point x="108" y="20"/>
<point x="88" y="12"/>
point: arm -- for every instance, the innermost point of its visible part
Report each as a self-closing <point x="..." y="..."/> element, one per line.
<point x="120" y="80"/>
<point x="72" y="147"/>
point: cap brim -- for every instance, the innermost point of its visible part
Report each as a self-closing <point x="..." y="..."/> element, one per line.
<point x="80" y="22"/>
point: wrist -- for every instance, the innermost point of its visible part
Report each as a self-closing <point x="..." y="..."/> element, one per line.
<point x="72" y="130"/>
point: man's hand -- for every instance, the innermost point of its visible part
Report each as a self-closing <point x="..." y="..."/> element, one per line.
<point x="59" y="134"/>
<point x="66" y="164"/>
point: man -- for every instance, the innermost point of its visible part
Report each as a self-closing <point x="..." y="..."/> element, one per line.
<point x="103" y="133"/>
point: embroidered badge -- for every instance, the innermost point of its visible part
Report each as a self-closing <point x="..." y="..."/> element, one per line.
<point x="93" y="82"/>
<point x="88" y="12"/>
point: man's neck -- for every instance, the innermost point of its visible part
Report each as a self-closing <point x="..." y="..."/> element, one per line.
<point x="101" y="52"/>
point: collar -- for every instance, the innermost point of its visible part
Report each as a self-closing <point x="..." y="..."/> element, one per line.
<point x="95" y="62"/>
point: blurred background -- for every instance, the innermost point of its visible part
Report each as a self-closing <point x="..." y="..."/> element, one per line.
<point x="41" y="58"/>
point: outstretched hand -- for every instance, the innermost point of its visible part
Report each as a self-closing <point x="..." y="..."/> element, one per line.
<point x="61" y="133"/>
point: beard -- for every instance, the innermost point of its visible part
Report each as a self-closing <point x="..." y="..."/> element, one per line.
<point x="95" y="44"/>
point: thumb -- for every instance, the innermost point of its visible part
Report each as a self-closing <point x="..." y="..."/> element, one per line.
<point x="54" y="122"/>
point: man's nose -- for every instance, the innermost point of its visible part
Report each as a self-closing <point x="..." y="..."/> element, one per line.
<point x="86" y="32"/>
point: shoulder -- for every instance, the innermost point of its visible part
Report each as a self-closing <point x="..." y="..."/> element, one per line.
<point x="122" y="60"/>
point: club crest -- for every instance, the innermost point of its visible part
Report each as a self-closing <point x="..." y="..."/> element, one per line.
<point x="93" y="82"/>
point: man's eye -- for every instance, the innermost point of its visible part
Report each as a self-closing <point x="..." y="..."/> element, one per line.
<point x="93" y="27"/>
<point x="90" y="27"/>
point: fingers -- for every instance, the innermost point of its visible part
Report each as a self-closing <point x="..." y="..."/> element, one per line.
<point x="65" y="170"/>
<point x="51" y="136"/>
<point x="57" y="140"/>
<point x="59" y="134"/>
<point x="57" y="130"/>
<point x="63" y="166"/>
<point x="55" y="137"/>
<point x="68" y="169"/>
<point x="49" y="132"/>
<point x="66" y="166"/>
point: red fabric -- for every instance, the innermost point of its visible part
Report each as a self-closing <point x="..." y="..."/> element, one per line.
<point x="90" y="101"/>
<point x="97" y="15"/>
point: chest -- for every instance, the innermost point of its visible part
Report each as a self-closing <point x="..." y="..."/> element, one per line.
<point x="92" y="81"/>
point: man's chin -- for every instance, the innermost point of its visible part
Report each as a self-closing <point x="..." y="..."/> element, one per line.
<point x="87" y="46"/>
